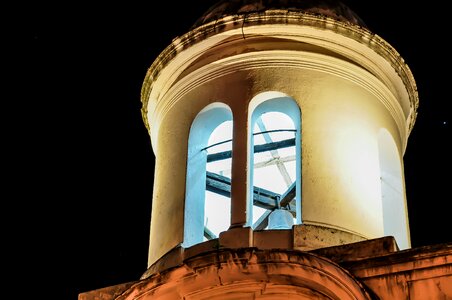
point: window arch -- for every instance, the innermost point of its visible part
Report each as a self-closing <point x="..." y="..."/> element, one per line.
<point x="208" y="181"/>
<point x="275" y="162"/>
<point x="395" y="221"/>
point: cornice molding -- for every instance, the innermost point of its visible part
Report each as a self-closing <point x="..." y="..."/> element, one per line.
<point x="295" y="60"/>
<point x="230" y="273"/>
<point x="241" y="23"/>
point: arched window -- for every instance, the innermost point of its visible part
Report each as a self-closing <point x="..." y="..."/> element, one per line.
<point x="208" y="183"/>
<point x="395" y="221"/>
<point x="275" y="163"/>
<point x="217" y="217"/>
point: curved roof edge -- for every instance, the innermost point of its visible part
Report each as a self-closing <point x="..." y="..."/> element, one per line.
<point x="329" y="8"/>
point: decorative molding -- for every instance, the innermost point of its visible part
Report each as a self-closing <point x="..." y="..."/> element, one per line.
<point x="282" y="59"/>
<point x="234" y="273"/>
<point x="283" y="18"/>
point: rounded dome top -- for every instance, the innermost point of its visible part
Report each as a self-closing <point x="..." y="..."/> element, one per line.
<point x="329" y="8"/>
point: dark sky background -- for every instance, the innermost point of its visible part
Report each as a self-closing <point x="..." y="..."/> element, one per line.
<point x="89" y="162"/>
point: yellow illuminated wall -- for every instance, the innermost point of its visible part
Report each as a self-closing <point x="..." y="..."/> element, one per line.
<point x="350" y="86"/>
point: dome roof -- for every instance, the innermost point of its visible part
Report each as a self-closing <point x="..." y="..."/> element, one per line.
<point x="329" y="8"/>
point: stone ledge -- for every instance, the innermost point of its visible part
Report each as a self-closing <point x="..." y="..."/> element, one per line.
<point x="107" y="293"/>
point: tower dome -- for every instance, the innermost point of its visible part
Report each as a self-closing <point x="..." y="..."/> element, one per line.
<point x="329" y="8"/>
<point x="279" y="129"/>
<point x="289" y="106"/>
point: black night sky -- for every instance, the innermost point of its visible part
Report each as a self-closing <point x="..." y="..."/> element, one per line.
<point x="88" y="169"/>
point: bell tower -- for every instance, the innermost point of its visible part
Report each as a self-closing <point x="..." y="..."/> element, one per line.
<point x="279" y="129"/>
<point x="278" y="115"/>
